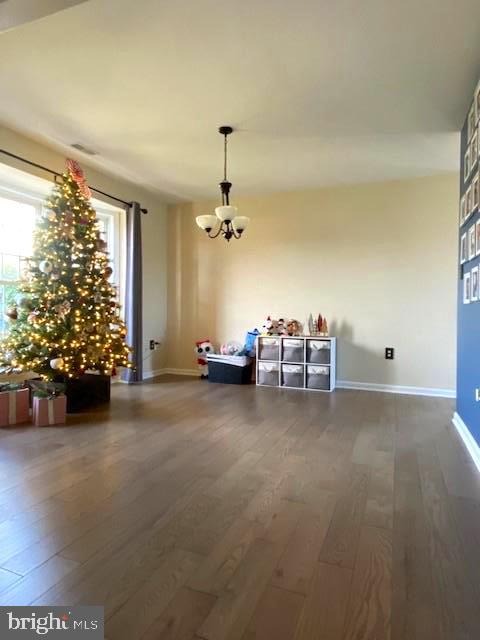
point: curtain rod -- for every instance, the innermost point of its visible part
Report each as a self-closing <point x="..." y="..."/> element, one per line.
<point x="59" y="175"/>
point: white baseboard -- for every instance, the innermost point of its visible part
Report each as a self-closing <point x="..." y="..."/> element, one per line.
<point x="467" y="438"/>
<point x="393" y="388"/>
<point x="177" y="372"/>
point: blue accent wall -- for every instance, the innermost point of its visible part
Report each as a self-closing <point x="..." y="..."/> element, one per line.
<point x="468" y="340"/>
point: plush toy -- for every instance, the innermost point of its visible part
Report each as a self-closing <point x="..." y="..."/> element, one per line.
<point x="268" y="327"/>
<point x="294" y="328"/>
<point x="232" y="348"/>
<point x="202" y="349"/>
<point x="281" y="328"/>
<point x="274" y="327"/>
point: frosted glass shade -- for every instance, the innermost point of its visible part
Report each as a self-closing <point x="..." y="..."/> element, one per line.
<point x="240" y="223"/>
<point x="226" y="213"/>
<point x="206" y="222"/>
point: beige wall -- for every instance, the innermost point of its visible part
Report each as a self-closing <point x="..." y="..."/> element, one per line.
<point x="154" y="233"/>
<point x="378" y="260"/>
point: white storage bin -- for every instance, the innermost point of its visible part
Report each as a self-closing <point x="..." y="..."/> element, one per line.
<point x="269" y="348"/>
<point x="292" y="375"/>
<point x="318" y="351"/>
<point x="268" y="373"/>
<point x="292" y="350"/>
<point x="318" y="377"/>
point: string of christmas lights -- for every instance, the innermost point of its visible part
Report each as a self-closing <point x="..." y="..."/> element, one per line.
<point x="66" y="319"/>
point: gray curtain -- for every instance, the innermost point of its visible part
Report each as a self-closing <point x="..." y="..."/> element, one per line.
<point x="133" y="293"/>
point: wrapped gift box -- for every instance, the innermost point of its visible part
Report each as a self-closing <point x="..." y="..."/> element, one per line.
<point x="49" y="411"/>
<point x="14" y="407"/>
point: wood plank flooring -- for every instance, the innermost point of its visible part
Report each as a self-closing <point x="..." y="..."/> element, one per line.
<point x="194" y="511"/>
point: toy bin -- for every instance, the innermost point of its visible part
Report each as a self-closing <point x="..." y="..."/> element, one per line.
<point x="318" y="377"/>
<point x="268" y="373"/>
<point x="229" y="369"/>
<point x="318" y="351"/>
<point x="292" y="375"/>
<point x="292" y="350"/>
<point x="269" y="348"/>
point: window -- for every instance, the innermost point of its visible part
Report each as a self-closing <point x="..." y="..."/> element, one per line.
<point x="111" y="222"/>
<point x="21" y="201"/>
<point x="17" y="221"/>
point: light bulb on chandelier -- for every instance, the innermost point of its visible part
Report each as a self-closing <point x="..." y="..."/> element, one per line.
<point x="231" y="224"/>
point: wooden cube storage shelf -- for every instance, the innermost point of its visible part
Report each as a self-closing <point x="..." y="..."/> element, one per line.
<point x="279" y="362"/>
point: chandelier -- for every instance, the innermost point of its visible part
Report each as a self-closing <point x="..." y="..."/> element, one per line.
<point x="230" y="225"/>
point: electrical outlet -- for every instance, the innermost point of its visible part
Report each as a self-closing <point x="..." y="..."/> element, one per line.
<point x="154" y="344"/>
<point x="389" y="353"/>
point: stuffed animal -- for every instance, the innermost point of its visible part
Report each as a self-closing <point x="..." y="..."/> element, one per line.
<point x="202" y="349"/>
<point x="281" y="328"/>
<point x="294" y="328"/>
<point x="267" y="327"/>
<point x="274" y="327"/>
<point x="232" y="348"/>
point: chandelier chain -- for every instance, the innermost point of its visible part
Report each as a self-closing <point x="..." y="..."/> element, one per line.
<point x="225" y="157"/>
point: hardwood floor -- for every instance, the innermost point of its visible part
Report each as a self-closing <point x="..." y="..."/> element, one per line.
<point x="199" y="511"/>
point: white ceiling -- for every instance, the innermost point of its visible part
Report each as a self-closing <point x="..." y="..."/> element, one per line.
<point x="321" y="91"/>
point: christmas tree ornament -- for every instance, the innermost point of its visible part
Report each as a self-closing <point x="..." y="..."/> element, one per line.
<point x="32" y="317"/>
<point x="101" y="245"/>
<point x="108" y="272"/>
<point x="76" y="173"/>
<point x="57" y="363"/>
<point x="24" y="303"/>
<point x="69" y="217"/>
<point x="12" y="313"/>
<point x="97" y="298"/>
<point x="51" y="216"/>
<point x="63" y="309"/>
<point x="46" y="266"/>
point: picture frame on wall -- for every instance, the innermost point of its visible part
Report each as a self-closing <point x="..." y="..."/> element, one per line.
<point x="466" y="288"/>
<point x="468" y="203"/>
<point x="463" y="248"/>
<point x="472" y="120"/>
<point x="474" y="285"/>
<point x="462" y="214"/>
<point x="466" y="165"/>
<point x="472" y="242"/>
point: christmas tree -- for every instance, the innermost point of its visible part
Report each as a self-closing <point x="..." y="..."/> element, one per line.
<point x="66" y="319"/>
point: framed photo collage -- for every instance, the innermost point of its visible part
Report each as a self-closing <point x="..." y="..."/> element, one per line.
<point x="470" y="205"/>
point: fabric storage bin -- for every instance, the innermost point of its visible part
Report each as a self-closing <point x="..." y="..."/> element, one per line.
<point x="318" y="377"/>
<point x="292" y="350"/>
<point x="269" y="348"/>
<point x="268" y="373"/>
<point x="318" y="351"/>
<point x="292" y="375"/>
